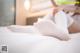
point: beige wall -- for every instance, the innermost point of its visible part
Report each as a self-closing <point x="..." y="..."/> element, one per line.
<point x="20" y="13"/>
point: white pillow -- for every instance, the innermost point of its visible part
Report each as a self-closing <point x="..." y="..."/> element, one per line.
<point x="23" y="29"/>
<point x="47" y="27"/>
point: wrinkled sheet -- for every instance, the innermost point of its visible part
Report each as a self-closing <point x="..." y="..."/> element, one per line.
<point x="37" y="43"/>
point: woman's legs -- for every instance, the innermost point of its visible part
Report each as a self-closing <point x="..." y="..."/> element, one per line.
<point x="49" y="28"/>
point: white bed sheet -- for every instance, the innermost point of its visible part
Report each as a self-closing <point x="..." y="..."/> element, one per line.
<point x="4" y="29"/>
<point x="55" y="46"/>
<point x="23" y="43"/>
<point x="23" y="29"/>
<point x="37" y="43"/>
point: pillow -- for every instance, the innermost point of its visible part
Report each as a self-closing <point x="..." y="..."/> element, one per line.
<point x="23" y="29"/>
<point x="47" y="27"/>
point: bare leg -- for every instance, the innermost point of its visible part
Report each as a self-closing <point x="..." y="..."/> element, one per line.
<point x="50" y="29"/>
<point x="74" y="28"/>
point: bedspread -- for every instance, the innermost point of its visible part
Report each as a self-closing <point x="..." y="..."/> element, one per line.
<point x="37" y="43"/>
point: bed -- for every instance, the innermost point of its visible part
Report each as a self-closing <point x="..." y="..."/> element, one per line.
<point x="24" y="42"/>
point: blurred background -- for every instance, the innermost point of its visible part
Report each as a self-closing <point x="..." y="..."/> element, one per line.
<point x="24" y="12"/>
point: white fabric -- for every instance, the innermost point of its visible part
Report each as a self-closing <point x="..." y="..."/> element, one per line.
<point x="24" y="42"/>
<point x="61" y="21"/>
<point x="4" y="29"/>
<point x="60" y="17"/>
<point x="70" y="20"/>
<point x="23" y="29"/>
<point x="37" y="43"/>
<point x="55" y="25"/>
<point x="71" y="46"/>
<point x="47" y="27"/>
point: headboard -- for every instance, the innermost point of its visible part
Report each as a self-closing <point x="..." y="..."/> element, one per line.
<point x="32" y="20"/>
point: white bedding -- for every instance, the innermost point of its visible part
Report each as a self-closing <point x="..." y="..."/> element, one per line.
<point x="23" y="29"/>
<point x="24" y="43"/>
<point x="4" y="29"/>
<point x="37" y="43"/>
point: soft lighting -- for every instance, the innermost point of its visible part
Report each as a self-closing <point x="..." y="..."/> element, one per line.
<point x="27" y="4"/>
<point x="12" y="9"/>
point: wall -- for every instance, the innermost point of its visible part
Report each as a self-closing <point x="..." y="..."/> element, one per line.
<point x="39" y="5"/>
<point x="20" y="13"/>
